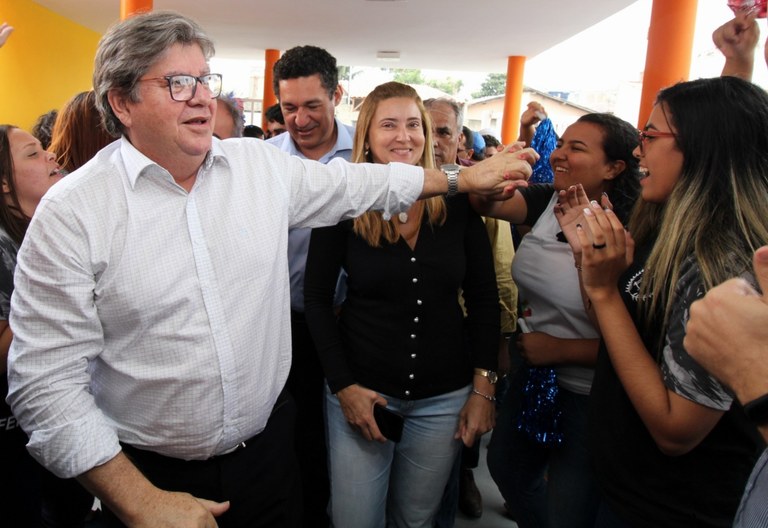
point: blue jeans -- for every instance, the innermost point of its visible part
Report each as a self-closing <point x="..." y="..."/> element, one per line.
<point x="544" y="487"/>
<point x="393" y="484"/>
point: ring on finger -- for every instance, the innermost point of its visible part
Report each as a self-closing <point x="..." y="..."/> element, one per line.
<point x="598" y="246"/>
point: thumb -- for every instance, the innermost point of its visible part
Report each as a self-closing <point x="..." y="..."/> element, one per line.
<point x="760" y="262"/>
<point x="215" y="508"/>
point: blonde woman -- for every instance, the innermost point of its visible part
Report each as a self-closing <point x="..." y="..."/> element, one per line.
<point x="401" y="340"/>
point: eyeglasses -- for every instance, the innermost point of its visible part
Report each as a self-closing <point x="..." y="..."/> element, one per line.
<point x="645" y="135"/>
<point x="184" y="87"/>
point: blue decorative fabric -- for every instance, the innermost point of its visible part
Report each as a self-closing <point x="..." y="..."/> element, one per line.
<point x="544" y="142"/>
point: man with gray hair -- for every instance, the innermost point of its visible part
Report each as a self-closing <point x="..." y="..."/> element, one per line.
<point x="461" y="491"/>
<point x="229" y="121"/>
<point x="151" y="310"/>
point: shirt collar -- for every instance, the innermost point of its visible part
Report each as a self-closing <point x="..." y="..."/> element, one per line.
<point x="343" y="142"/>
<point x="137" y="164"/>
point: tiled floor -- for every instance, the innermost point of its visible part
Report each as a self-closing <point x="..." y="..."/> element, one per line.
<point x="493" y="504"/>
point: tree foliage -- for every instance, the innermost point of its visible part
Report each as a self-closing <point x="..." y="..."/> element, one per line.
<point x="494" y="84"/>
<point x="408" y="76"/>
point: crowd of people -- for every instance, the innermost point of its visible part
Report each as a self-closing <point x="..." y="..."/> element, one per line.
<point x="201" y="328"/>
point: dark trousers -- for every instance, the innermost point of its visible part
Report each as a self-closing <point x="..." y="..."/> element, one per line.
<point x="34" y="497"/>
<point x="260" y="480"/>
<point x="306" y="383"/>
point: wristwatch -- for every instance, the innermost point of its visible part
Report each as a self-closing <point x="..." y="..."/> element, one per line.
<point x="491" y="375"/>
<point x="451" y="171"/>
<point x="757" y="410"/>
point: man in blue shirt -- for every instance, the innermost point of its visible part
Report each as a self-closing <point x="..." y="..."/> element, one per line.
<point x="306" y="82"/>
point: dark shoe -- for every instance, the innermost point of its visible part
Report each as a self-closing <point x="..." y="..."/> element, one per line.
<point x="470" y="501"/>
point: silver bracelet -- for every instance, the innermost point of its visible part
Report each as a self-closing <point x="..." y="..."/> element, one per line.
<point x="486" y="396"/>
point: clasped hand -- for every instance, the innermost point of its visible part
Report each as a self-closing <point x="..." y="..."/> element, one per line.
<point x="498" y="176"/>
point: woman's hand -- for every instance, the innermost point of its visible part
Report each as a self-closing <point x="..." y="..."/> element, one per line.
<point x="607" y="250"/>
<point x="357" y="405"/>
<point x="477" y="417"/>
<point x="533" y="114"/>
<point x="569" y="212"/>
<point x="538" y="349"/>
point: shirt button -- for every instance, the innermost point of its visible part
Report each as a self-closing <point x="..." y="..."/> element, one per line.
<point x="413" y="259"/>
<point x="413" y="356"/>
<point x="407" y="393"/>
<point x="415" y="280"/>
<point x="418" y="301"/>
<point x="413" y="336"/>
<point x="415" y="319"/>
<point x="411" y="376"/>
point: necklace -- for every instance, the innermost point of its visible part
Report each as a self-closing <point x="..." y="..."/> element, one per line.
<point x="402" y="217"/>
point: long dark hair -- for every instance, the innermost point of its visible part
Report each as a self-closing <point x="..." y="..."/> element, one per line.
<point x="717" y="210"/>
<point x="619" y="141"/>
<point x="12" y="218"/>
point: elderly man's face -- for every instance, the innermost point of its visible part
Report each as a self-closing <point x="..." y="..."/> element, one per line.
<point x="176" y="135"/>
<point x="445" y="133"/>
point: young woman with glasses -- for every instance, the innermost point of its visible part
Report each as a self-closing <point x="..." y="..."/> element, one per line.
<point x="671" y="447"/>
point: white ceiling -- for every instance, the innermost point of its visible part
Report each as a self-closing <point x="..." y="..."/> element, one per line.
<point x="429" y="34"/>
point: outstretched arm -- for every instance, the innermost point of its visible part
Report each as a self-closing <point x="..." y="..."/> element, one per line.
<point x="496" y="177"/>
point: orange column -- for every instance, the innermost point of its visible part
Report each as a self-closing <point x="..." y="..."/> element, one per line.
<point x="670" y="44"/>
<point x="132" y="7"/>
<point x="513" y="97"/>
<point x="271" y="56"/>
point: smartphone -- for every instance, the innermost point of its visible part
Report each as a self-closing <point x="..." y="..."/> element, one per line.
<point x="389" y="423"/>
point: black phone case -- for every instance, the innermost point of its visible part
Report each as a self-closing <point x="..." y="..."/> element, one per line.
<point x="390" y="424"/>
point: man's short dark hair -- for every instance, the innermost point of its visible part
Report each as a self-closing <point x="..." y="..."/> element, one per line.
<point x="304" y="61"/>
<point x="491" y="141"/>
<point x="274" y="113"/>
<point x="253" y="131"/>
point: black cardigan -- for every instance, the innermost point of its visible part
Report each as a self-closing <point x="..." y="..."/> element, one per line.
<point x="401" y="330"/>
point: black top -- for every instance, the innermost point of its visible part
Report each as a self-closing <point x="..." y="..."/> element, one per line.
<point x="10" y="431"/>
<point x="643" y="486"/>
<point x="401" y="330"/>
<point x="537" y="198"/>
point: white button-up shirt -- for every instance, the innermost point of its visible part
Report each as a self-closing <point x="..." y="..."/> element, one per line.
<point x="152" y="316"/>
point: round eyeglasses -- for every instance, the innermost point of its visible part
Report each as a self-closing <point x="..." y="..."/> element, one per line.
<point x="645" y="135"/>
<point x="184" y="87"/>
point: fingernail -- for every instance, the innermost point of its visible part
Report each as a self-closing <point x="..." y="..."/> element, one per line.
<point x="588" y="212"/>
<point x="594" y="204"/>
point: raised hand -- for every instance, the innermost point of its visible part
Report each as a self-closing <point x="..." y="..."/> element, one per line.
<point x="607" y="250"/>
